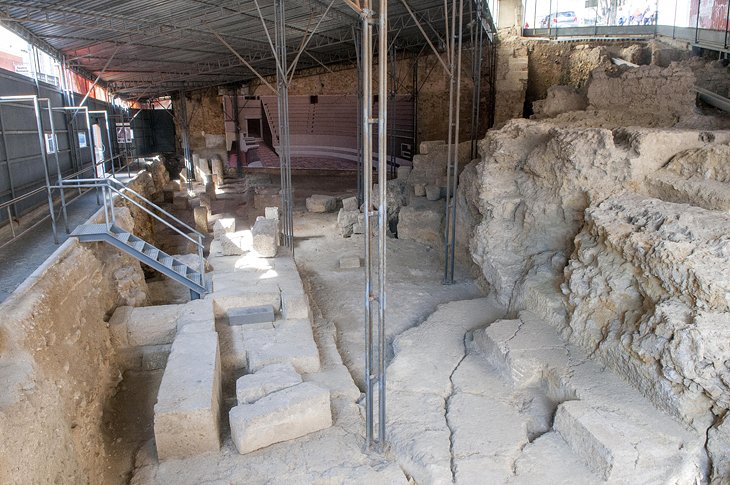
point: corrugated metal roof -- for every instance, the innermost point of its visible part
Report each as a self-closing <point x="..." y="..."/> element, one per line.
<point x="161" y="46"/>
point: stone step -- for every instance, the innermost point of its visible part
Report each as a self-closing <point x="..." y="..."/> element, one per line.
<point x="290" y="341"/>
<point x="275" y="377"/>
<point x="616" y="432"/>
<point x="187" y="412"/>
<point x="281" y="416"/>
<point x="548" y="459"/>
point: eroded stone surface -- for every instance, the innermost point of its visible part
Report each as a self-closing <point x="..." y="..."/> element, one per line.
<point x="271" y="378"/>
<point x="281" y="416"/>
<point x="321" y="203"/>
<point x="187" y="412"/>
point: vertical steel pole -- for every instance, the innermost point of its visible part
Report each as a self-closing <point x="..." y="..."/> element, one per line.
<point x="185" y="138"/>
<point x="450" y="138"/>
<point x="109" y="139"/>
<point x="44" y="159"/>
<point x="455" y="179"/>
<point x="59" y="176"/>
<point x="383" y="207"/>
<point x="367" y="164"/>
<point x="11" y="182"/>
<point x="283" y="112"/>
<point x="360" y="125"/>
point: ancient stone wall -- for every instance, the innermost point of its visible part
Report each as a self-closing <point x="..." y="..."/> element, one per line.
<point x="663" y="92"/>
<point x="642" y="278"/>
<point x="510" y="79"/>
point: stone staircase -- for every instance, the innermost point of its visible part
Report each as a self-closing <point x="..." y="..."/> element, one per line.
<point x="476" y="399"/>
<point x="608" y="425"/>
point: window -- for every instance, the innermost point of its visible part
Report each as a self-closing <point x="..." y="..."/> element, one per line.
<point x="125" y="134"/>
<point x="50" y="144"/>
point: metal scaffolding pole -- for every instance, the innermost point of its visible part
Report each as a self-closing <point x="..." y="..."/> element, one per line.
<point x="185" y="139"/>
<point x="477" y="45"/>
<point x="452" y="170"/>
<point x="44" y="157"/>
<point x="282" y="84"/>
<point x="375" y="301"/>
<point x="59" y="175"/>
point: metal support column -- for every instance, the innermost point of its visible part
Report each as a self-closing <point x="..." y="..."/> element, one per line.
<point x="375" y="301"/>
<point x="477" y="44"/>
<point x="59" y="175"/>
<point x="360" y="126"/>
<point x="452" y="170"/>
<point x="185" y="139"/>
<point x="44" y="156"/>
<point x="282" y="85"/>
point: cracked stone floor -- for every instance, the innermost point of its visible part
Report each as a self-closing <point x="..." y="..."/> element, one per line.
<point x="473" y="398"/>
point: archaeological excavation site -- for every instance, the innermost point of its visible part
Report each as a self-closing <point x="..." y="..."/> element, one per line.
<point x="378" y="242"/>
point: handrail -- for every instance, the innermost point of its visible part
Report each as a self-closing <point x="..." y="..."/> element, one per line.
<point x="137" y="194"/>
<point x="43" y="188"/>
<point x="108" y="184"/>
<point x="101" y="183"/>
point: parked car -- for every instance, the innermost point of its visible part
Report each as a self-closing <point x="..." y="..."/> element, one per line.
<point x="560" y="20"/>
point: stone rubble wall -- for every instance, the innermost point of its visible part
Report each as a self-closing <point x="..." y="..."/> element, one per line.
<point x="510" y="80"/>
<point x="57" y="362"/>
<point x="644" y="89"/>
<point x="644" y="288"/>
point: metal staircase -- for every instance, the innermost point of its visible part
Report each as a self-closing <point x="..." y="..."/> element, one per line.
<point x="130" y="244"/>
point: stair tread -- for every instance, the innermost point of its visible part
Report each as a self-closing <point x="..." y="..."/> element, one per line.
<point x="190" y="277"/>
<point x="87" y="229"/>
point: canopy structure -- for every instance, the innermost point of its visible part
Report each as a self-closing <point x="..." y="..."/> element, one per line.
<point x="142" y="49"/>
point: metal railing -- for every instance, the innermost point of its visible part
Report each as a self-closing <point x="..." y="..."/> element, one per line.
<point x="10" y="206"/>
<point x="111" y="187"/>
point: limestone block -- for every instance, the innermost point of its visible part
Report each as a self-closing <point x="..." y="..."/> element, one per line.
<point x="433" y="192"/>
<point x="187" y="412"/>
<point x="419" y="190"/>
<point x="272" y="213"/>
<point x="200" y="214"/>
<point x="210" y="190"/>
<point x="118" y="326"/>
<point x="427" y="146"/>
<point x="252" y="387"/>
<point x="321" y="203"/>
<point x="218" y="167"/>
<point x="180" y="201"/>
<point x="403" y="172"/>
<point x="359" y="226"/>
<point x="266" y="197"/>
<point x="423" y="225"/>
<point x="290" y="342"/>
<point x="235" y="243"/>
<point x="265" y="233"/>
<point x="238" y="297"/>
<point x="602" y="448"/>
<point x="224" y="225"/>
<point x="153" y="325"/>
<point x="349" y="262"/>
<point x="294" y="303"/>
<point x="196" y="316"/>
<point x="155" y="357"/>
<point x="350" y="204"/>
<point x="284" y="415"/>
<point x="251" y="315"/>
<point x="346" y="221"/>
